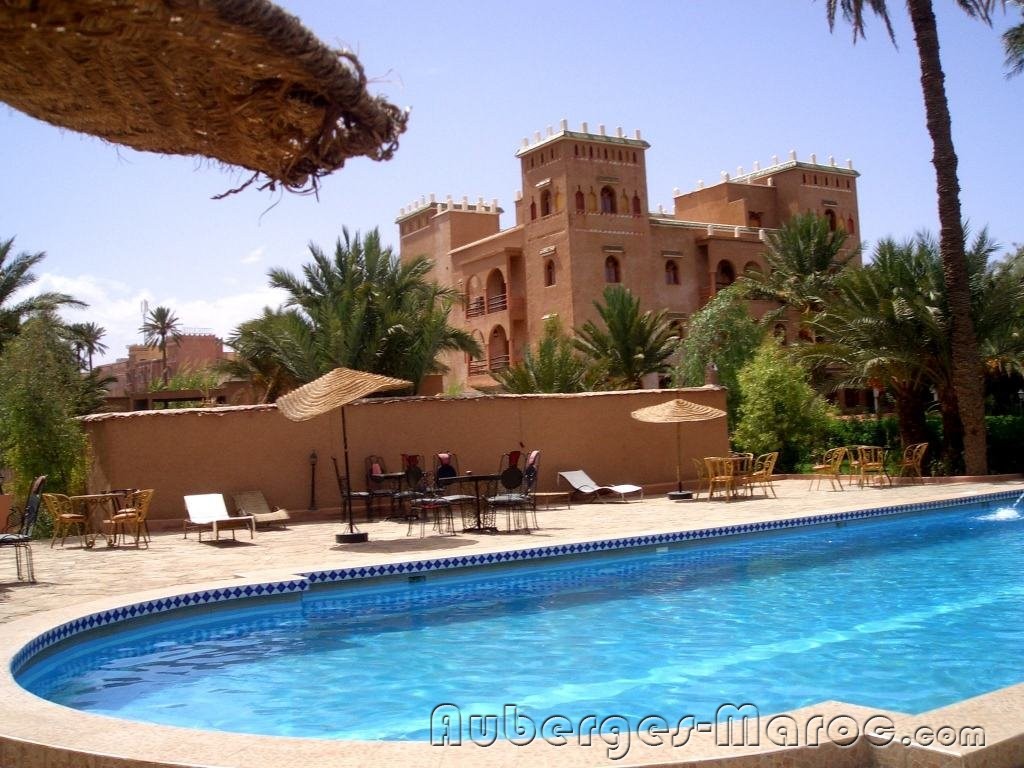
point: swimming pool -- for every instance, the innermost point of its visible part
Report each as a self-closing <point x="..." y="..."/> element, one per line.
<point x="903" y="614"/>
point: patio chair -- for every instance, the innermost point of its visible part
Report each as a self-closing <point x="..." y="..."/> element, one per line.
<point x="829" y="467"/>
<point x="913" y="457"/>
<point x="446" y="466"/>
<point x="871" y="459"/>
<point x="254" y="504"/>
<point x="586" y="488"/>
<point x="517" y="494"/>
<point x="21" y="538"/>
<point x="65" y="518"/>
<point x="764" y="467"/>
<point x="703" y="483"/>
<point x="207" y="511"/>
<point x="721" y="476"/>
<point x="133" y="515"/>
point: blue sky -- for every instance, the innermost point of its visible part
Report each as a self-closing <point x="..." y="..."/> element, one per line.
<point x="711" y="85"/>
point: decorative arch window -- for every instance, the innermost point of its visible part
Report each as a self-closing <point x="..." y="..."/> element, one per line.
<point x="590" y="152"/>
<point x="608" y="204"/>
<point x="545" y="203"/>
<point x="625" y="202"/>
<point x="671" y="272"/>
<point x="725" y="275"/>
<point x="612" y="271"/>
<point x="752" y="266"/>
<point x="754" y="219"/>
<point x="779" y="332"/>
<point x="636" y="204"/>
<point x="620" y="155"/>
<point x="581" y="201"/>
<point x="849" y="225"/>
<point x="831" y="216"/>
<point x="533" y="210"/>
<point x="497" y="349"/>
<point x="549" y="272"/>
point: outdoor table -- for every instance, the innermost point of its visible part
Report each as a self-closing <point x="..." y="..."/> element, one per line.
<point x="475" y="480"/>
<point x="93" y="505"/>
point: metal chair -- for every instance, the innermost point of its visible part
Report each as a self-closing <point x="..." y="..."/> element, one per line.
<point x="21" y="539"/>
<point x="133" y="515"/>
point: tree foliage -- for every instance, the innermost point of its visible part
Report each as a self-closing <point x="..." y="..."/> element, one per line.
<point x="780" y="411"/>
<point x="554" y="367"/>
<point x="39" y="389"/>
<point x="158" y="326"/>
<point x="628" y="344"/>
<point x="723" y="334"/>
<point x="360" y="308"/>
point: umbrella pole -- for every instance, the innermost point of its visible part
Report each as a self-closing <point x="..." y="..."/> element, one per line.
<point x="353" y="536"/>
<point x="679" y="493"/>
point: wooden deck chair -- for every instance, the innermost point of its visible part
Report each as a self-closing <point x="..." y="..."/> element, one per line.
<point x="254" y="504"/>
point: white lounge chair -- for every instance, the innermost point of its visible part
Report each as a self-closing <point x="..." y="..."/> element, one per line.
<point x="255" y="503"/>
<point x="583" y="485"/>
<point x="208" y="511"/>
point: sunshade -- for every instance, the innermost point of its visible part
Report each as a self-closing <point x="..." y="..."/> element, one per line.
<point x="239" y="81"/>
<point x="676" y="412"/>
<point x="334" y="390"/>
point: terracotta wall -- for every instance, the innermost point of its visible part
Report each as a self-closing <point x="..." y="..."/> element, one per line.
<point x="241" y="448"/>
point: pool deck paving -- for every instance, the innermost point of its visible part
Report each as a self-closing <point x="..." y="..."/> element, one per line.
<point x="73" y="580"/>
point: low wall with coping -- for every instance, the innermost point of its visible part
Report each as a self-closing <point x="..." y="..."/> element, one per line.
<point x="226" y="450"/>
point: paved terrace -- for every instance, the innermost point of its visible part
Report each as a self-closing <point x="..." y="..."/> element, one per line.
<point x="74" y="575"/>
<point x="74" y="581"/>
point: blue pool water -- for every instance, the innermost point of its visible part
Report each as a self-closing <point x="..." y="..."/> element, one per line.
<point x="906" y="613"/>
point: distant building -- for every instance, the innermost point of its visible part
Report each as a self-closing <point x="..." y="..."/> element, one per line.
<point x="137" y="375"/>
<point x="582" y="222"/>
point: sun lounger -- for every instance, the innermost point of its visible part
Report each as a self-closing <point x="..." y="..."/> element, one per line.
<point x="208" y="511"/>
<point x="584" y="486"/>
<point x="255" y="503"/>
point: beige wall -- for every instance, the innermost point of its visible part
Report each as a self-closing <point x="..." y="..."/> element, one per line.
<point x="235" y="449"/>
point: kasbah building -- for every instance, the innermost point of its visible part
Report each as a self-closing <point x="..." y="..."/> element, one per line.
<point x="582" y="222"/>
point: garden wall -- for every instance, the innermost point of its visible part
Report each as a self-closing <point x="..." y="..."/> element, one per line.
<point x="226" y="450"/>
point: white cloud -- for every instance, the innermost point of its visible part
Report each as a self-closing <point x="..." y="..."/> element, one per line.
<point x="119" y="308"/>
<point x="254" y="256"/>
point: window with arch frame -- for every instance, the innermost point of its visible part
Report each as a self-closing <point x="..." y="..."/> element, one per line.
<point x="671" y="272"/>
<point x="612" y="270"/>
<point x="549" y="272"/>
<point x="545" y="203"/>
<point x="608" y="202"/>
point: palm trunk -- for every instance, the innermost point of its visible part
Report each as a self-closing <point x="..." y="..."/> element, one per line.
<point x="967" y="372"/>
<point x="910" y="409"/>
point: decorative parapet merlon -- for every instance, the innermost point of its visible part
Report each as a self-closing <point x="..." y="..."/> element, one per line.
<point x="448" y="204"/>
<point x="584" y="134"/>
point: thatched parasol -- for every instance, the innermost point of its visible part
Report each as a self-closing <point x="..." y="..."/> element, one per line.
<point x="239" y="81"/>
<point x="676" y="412"/>
<point x="335" y="390"/>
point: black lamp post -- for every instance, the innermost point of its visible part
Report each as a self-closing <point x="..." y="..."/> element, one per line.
<point x="312" y="480"/>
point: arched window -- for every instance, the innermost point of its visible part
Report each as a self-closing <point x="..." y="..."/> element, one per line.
<point x="576" y="150"/>
<point x="549" y="272"/>
<point x="754" y="219"/>
<point x="849" y="225"/>
<point x="725" y="275"/>
<point x="612" y="273"/>
<point x="752" y="266"/>
<point x="533" y="210"/>
<point x="497" y="297"/>
<point x="590" y="152"/>
<point x="497" y="349"/>
<point x="545" y="203"/>
<point x="831" y="216"/>
<point x="581" y="202"/>
<point x="608" y="204"/>
<point x="671" y="272"/>
<point x="636" y="205"/>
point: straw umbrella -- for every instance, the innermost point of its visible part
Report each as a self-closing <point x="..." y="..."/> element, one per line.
<point x="335" y="390"/>
<point x="676" y="412"/>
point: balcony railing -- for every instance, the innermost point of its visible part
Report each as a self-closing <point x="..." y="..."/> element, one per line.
<point x="476" y="367"/>
<point x="475" y="308"/>
<point x="499" y="362"/>
<point x="497" y="303"/>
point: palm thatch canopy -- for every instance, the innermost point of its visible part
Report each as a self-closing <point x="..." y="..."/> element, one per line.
<point x="676" y="411"/>
<point x="239" y="81"/>
<point x="333" y="390"/>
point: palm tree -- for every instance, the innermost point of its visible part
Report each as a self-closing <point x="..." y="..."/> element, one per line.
<point x="1013" y="44"/>
<point x="86" y="339"/>
<point x="967" y="371"/>
<point x="159" y="325"/>
<point x="16" y="274"/>
<point x="631" y="344"/>
<point x="363" y="308"/>
<point x="889" y="324"/>
<point x="804" y="258"/>
<point x="273" y="351"/>
<point x="554" y="367"/>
